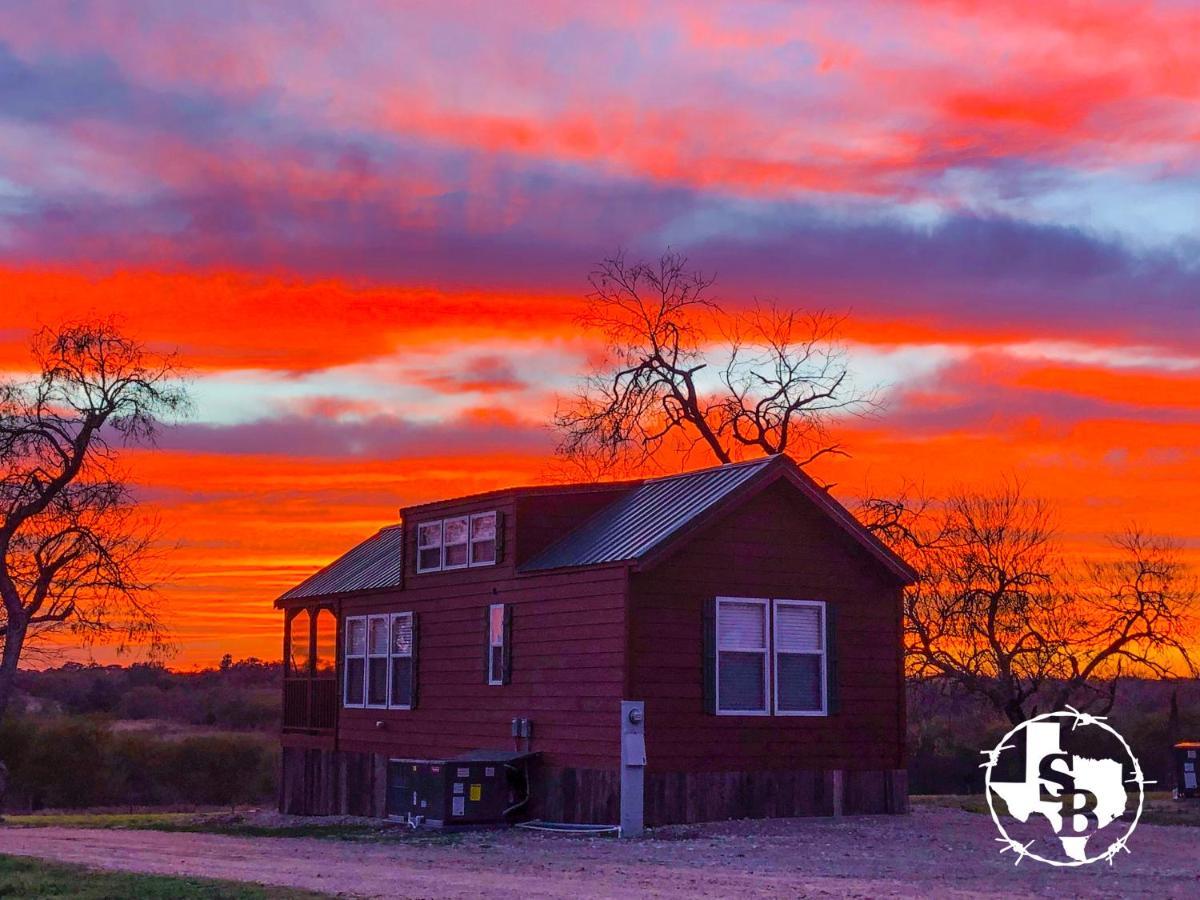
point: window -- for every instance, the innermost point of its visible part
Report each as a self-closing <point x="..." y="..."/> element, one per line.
<point x="769" y="657"/>
<point x="402" y="661"/>
<point x="356" y="660"/>
<point x="380" y="661"/>
<point x="799" y="658"/>
<point x="429" y="547"/>
<point x="483" y="539"/>
<point x="742" y="656"/>
<point x="496" y="644"/>
<point x="458" y="542"/>
<point x="454" y="543"/>
<point x="377" y="660"/>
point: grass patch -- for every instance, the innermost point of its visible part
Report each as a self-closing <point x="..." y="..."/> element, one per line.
<point x="99" y="820"/>
<point x="235" y="825"/>
<point x="1159" y="809"/>
<point x="33" y="878"/>
<point x="972" y="803"/>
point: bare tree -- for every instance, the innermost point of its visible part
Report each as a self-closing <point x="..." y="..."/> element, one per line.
<point x="1136" y="616"/>
<point x="999" y="611"/>
<point x="72" y="540"/>
<point x="682" y="373"/>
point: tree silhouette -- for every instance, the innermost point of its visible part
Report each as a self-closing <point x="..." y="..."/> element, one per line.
<point x="72" y="539"/>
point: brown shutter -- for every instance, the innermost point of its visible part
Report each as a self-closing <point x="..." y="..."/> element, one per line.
<point x="506" y="677"/>
<point x="416" y="659"/>
<point x="832" y="700"/>
<point x="499" y="536"/>
<point x="709" y="655"/>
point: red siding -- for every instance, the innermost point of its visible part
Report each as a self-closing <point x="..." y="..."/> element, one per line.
<point x="777" y="544"/>
<point x="543" y="518"/>
<point x="568" y="633"/>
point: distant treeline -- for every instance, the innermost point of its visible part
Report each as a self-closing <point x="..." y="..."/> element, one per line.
<point x="948" y="731"/>
<point x="237" y="694"/>
<point x="74" y="762"/>
<point x="70" y="742"/>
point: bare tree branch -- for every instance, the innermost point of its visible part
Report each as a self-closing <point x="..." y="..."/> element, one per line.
<point x="73" y="542"/>
<point x="771" y="385"/>
<point x="999" y="611"/>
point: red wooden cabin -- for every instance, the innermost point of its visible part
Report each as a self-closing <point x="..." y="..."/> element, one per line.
<point x="756" y="619"/>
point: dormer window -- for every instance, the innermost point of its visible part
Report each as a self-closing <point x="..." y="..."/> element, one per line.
<point x="459" y="542"/>
<point x="483" y="539"/>
<point x="429" y="547"/>
<point x="454" y="543"/>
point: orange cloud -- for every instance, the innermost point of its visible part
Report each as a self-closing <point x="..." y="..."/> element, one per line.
<point x="231" y="320"/>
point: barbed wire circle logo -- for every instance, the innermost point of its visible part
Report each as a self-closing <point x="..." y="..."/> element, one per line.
<point x="1080" y="796"/>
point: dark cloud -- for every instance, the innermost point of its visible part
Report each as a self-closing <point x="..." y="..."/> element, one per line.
<point x="964" y="398"/>
<point x="383" y="437"/>
<point x="60" y="90"/>
<point x="966" y="271"/>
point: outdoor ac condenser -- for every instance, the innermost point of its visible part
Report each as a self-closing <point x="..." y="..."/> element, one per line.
<point x="483" y="787"/>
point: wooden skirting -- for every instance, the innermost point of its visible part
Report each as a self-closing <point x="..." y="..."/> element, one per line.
<point x="591" y="796"/>
<point x="318" y="782"/>
<point x="315" y="782"/>
<point x="684" y="797"/>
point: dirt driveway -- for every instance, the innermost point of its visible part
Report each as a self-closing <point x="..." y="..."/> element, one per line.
<point x="933" y="852"/>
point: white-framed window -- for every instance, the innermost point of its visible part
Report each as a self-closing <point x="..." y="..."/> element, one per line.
<point x="380" y="661"/>
<point x="458" y="542"/>
<point x="377" y="661"/>
<point x="742" y="656"/>
<point x="429" y="547"/>
<point x="495" y="655"/>
<point x="400" y="690"/>
<point x="355" y="661"/>
<point x="455" y="538"/>
<point x="800" y="659"/>
<point x="483" y="539"/>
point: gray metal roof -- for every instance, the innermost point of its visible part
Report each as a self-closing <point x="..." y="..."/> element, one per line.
<point x="375" y="563"/>
<point x="645" y="517"/>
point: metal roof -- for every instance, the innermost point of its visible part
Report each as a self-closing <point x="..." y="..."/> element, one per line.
<point x="646" y="516"/>
<point x="375" y="563"/>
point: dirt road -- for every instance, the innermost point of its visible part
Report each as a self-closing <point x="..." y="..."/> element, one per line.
<point x="933" y="852"/>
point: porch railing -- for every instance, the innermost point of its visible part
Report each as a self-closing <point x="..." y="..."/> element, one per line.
<point x="310" y="704"/>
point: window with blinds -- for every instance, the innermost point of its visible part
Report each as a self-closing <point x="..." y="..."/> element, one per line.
<point x="401" y="652"/>
<point x="742" y="656"/>
<point x="799" y="657"/>
<point x="380" y="660"/>
<point x="356" y="660"/>
<point x="768" y="656"/>
<point x="377" y="660"/>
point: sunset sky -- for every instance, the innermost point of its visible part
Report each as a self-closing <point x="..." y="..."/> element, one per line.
<point x="367" y="228"/>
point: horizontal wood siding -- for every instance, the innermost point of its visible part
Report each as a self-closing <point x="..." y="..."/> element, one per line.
<point x="568" y="639"/>
<point x="774" y="545"/>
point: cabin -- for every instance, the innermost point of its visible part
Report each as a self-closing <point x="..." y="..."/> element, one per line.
<point x="722" y="643"/>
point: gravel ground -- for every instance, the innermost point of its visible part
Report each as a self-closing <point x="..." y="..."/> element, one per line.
<point x="933" y="852"/>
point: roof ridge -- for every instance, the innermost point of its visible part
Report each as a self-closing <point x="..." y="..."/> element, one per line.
<point x="762" y="460"/>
